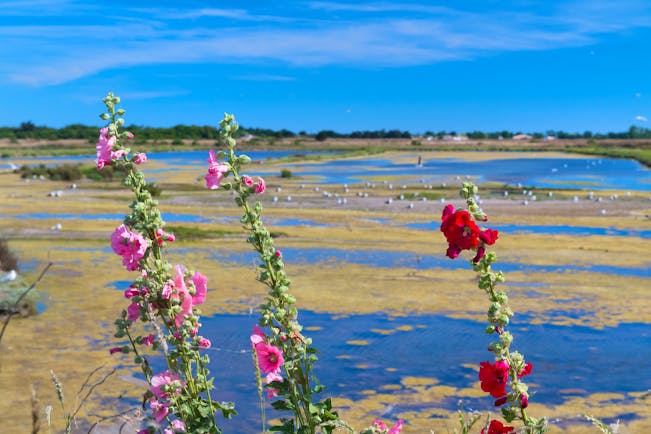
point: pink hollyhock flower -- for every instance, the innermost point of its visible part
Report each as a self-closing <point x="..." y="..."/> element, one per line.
<point x="258" y="335"/>
<point x="148" y="340"/>
<point x="216" y="171"/>
<point x="396" y="429"/>
<point x="200" y="288"/>
<point x="186" y="309"/>
<point x="159" y="409"/>
<point x="118" y="154"/>
<point x="496" y="427"/>
<point x="168" y="431"/>
<point x="524" y="401"/>
<point x="379" y="425"/>
<point x="270" y="358"/>
<point x="271" y="377"/>
<point x="131" y="291"/>
<point x="166" y="293"/>
<point x="493" y="377"/>
<point x="162" y="236"/>
<point x="140" y="158"/>
<point x="204" y="343"/>
<point x="133" y="311"/>
<point x="130" y="245"/>
<point x="278" y="254"/>
<point x="171" y="380"/>
<point x="115" y="350"/>
<point x="260" y="186"/>
<point x="247" y="180"/>
<point x="104" y="147"/>
<point x="178" y="425"/>
<point x="526" y="370"/>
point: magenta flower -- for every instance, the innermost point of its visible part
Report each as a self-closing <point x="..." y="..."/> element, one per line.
<point x="216" y="171"/>
<point x="204" y="342"/>
<point x="131" y="291"/>
<point x="270" y="358"/>
<point x="133" y="311"/>
<point x="260" y="186"/>
<point x="148" y="340"/>
<point x="200" y="288"/>
<point x="130" y="245"/>
<point x="159" y="409"/>
<point x="168" y="381"/>
<point x="115" y="350"/>
<point x="397" y="428"/>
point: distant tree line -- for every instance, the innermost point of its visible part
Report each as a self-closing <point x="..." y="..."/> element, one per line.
<point x="27" y="130"/>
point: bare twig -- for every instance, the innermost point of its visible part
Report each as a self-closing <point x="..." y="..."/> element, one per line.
<point x="101" y="419"/>
<point x="12" y="311"/>
<point x="36" y="412"/>
<point x="91" y="388"/>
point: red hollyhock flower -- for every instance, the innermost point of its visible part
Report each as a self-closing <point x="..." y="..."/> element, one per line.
<point x="493" y="377"/>
<point x="460" y="230"/>
<point x="462" y="233"/>
<point x="496" y="427"/>
<point x="526" y="370"/>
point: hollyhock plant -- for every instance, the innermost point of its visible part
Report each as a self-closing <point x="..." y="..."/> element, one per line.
<point x="163" y="301"/>
<point x="502" y="378"/>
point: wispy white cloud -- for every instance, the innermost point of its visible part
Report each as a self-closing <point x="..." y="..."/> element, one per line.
<point x="60" y="53"/>
<point x="641" y="118"/>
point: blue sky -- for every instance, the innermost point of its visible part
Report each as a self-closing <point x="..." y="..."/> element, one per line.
<point x="310" y="65"/>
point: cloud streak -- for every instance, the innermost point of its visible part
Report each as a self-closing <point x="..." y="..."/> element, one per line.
<point x="364" y="37"/>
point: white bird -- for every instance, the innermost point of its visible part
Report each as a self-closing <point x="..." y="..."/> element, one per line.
<point x="11" y="275"/>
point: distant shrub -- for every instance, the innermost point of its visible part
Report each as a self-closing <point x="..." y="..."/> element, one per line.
<point x="66" y="172"/>
<point x="8" y="260"/>
<point x="177" y="142"/>
<point x="416" y="143"/>
<point x="285" y="173"/>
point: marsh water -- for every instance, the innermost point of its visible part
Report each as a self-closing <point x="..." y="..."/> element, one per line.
<point x="363" y="356"/>
<point x="574" y="172"/>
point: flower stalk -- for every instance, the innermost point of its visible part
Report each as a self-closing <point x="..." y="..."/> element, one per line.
<point x="462" y="233"/>
<point x="297" y="388"/>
